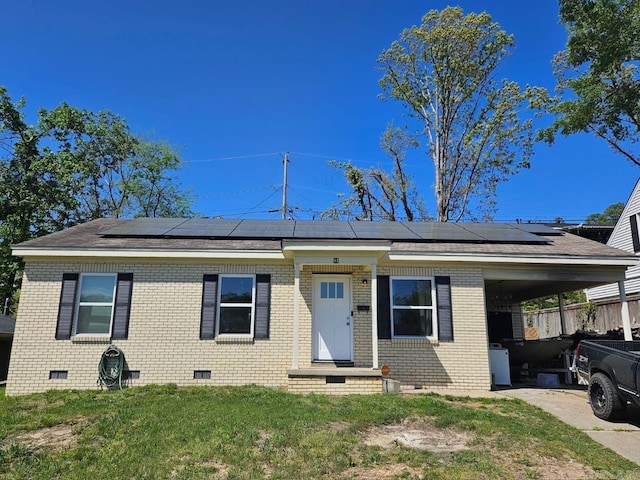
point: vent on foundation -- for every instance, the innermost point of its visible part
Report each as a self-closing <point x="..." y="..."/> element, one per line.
<point x="336" y="379"/>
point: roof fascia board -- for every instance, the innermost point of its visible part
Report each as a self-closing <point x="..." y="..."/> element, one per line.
<point x="586" y="274"/>
<point x="514" y="259"/>
<point x="148" y="253"/>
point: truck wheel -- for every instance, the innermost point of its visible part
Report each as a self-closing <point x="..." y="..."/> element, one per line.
<point x="603" y="397"/>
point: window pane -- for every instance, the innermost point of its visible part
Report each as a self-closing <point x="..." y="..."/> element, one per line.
<point x="323" y="289"/>
<point x="97" y="288"/>
<point x="332" y="290"/>
<point x="235" y="319"/>
<point x="93" y="319"/>
<point x="412" y="292"/>
<point x="236" y="290"/>
<point x="414" y="323"/>
<point x="340" y="290"/>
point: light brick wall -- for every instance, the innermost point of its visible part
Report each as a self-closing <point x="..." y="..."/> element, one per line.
<point x="164" y="342"/>
<point x="164" y="330"/>
<point x="461" y="364"/>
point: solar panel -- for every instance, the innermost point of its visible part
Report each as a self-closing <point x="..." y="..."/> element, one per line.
<point x="323" y="229"/>
<point x="382" y="231"/>
<point x="143" y="227"/>
<point x="443" y="232"/>
<point x="502" y="233"/>
<point x="315" y="229"/>
<point x="537" y="228"/>
<point x="264" y="229"/>
<point x="204" y="227"/>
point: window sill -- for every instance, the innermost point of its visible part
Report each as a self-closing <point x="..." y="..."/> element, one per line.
<point x="234" y="339"/>
<point x="417" y="340"/>
<point x="91" y="339"/>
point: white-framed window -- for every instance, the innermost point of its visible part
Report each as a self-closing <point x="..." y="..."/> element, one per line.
<point x="95" y="301"/>
<point x="413" y="307"/>
<point x="236" y="305"/>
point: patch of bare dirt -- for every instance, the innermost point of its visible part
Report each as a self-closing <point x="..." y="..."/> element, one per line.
<point x="263" y="438"/>
<point x="530" y="464"/>
<point x="221" y="470"/>
<point x="58" y="437"/>
<point x="339" y="426"/>
<point x="383" y="472"/>
<point x="415" y="432"/>
<point x="562" y="469"/>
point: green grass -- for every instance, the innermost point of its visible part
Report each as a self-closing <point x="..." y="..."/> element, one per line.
<point x="165" y="432"/>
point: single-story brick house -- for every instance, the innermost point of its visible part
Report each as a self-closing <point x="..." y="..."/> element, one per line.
<point x="305" y="305"/>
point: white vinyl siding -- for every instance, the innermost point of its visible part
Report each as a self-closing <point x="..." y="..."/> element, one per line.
<point x="621" y="238"/>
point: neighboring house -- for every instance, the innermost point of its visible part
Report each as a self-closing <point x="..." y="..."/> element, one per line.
<point x="312" y="306"/>
<point x="7" y="326"/>
<point x="625" y="237"/>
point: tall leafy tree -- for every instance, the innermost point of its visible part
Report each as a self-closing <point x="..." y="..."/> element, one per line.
<point x="610" y="215"/>
<point x="376" y="194"/>
<point x="477" y="128"/>
<point x="71" y="166"/>
<point x="598" y="74"/>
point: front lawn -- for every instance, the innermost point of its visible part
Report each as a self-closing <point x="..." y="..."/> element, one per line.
<point x="165" y="432"/>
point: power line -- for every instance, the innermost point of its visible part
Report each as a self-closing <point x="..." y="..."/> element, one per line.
<point x="240" y="192"/>
<point x="219" y="159"/>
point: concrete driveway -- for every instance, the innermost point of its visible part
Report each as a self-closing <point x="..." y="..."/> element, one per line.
<point x="570" y="404"/>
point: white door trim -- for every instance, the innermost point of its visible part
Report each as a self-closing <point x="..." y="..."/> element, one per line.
<point x="315" y="347"/>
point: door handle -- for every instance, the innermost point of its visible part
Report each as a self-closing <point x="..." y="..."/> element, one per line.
<point x="348" y="323"/>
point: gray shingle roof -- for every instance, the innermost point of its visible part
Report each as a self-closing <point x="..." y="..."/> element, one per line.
<point x="92" y="235"/>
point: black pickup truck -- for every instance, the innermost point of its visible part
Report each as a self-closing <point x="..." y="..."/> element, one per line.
<point x="611" y="369"/>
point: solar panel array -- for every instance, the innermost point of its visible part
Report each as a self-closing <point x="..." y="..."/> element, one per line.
<point x="329" y="230"/>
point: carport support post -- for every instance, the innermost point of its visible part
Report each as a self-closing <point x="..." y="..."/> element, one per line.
<point x="624" y="307"/>
<point x="563" y="320"/>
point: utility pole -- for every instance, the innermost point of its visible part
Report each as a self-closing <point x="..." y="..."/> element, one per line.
<point x="284" y="187"/>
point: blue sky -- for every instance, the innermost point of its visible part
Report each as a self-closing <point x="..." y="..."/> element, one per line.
<point x="237" y="84"/>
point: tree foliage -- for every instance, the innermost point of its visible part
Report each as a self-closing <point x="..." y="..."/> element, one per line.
<point x="377" y="195"/>
<point x="598" y="73"/>
<point x="72" y="166"/>
<point x="477" y="128"/>
<point x="610" y="215"/>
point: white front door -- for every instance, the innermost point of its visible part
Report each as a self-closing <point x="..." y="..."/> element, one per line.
<point x="332" y="321"/>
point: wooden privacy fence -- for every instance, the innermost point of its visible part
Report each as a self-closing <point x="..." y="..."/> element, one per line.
<point x="601" y="317"/>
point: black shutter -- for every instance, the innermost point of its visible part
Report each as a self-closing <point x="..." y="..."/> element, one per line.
<point x="122" y="307"/>
<point x="263" y="295"/>
<point x="67" y="306"/>
<point x="633" y="220"/>
<point x="443" y="301"/>
<point x="209" y="306"/>
<point x="384" y="307"/>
